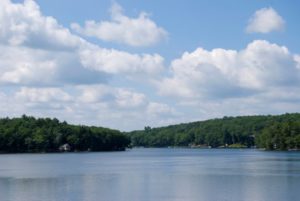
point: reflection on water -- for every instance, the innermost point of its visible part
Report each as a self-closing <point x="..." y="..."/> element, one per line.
<point x="151" y="175"/>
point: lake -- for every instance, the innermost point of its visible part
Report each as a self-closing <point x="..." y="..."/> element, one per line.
<point x="152" y="175"/>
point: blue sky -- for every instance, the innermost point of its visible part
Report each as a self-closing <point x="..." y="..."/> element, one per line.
<point x="190" y="23"/>
<point x="129" y="64"/>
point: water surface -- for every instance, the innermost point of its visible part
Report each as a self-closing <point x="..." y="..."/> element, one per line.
<point x="152" y="175"/>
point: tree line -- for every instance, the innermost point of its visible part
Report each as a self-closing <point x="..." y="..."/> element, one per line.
<point x="278" y="132"/>
<point x="29" y="134"/>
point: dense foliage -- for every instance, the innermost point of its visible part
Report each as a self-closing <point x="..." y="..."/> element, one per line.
<point x="270" y="132"/>
<point x="28" y="134"/>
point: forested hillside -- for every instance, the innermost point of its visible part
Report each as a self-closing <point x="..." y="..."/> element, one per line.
<point x="269" y="132"/>
<point x="28" y="134"/>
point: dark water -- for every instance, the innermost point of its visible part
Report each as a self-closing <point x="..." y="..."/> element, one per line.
<point x="152" y="175"/>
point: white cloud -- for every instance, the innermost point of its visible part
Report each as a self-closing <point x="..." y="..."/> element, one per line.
<point x="94" y="93"/>
<point x="116" y="62"/>
<point x="36" y="50"/>
<point x="24" y="24"/>
<point x="49" y="54"/>
<point x="116" y="97"/>
<point x="160" y="110"/>
<point x="297" y="59"/>
<point x="103" y="105"/>
<point x="140" y="31"/>
<point x="121" y="107"/>
<point x="265" y="20"/>
<point x="129" y="99"/>
<point x="23" y="65"/>
<point x="42" y="95"/>
<point x="267" y="65"/>
<point x="224" y="73"/>
<point x="45" y="70"/>
<point x="27" y="66"/>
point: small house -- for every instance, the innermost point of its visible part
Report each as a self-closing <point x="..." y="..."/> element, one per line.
<point x="65" y="147"/>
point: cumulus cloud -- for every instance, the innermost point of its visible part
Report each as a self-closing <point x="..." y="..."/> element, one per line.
<point x="297" y="59"/>
<point x="124" y="106"/>
<point x="23" y="24"/>
<point x="42" y="94"/>
<point x="116" y="97"/>
<point x="45" y="70"/>
<point x="140" y="31"/>
<point x="27" y="66"/>
<point x="104" y="105"/>
<point x="30" y="65"/>
<point x="116" y="62"/>
<point x="36" y="50"/>
<point x="49" y="54"/>
<point x="128" y="99"/>
<point x="265" y="20"/>
<point x="156" y="109"/>
<point x="221" y="73"/>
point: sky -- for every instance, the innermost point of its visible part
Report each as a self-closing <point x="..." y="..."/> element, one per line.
<point x="128" y="64"/>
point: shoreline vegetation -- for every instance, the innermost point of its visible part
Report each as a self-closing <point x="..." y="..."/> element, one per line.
<point x="44" y="135"/>
<point x="264" y="132"/>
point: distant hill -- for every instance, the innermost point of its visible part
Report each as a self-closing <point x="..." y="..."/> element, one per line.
<point x="28" y="134"/>
<point x="278" y="132"/>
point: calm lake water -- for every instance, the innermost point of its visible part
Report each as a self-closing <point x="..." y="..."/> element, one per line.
<point x="152" y="175"/>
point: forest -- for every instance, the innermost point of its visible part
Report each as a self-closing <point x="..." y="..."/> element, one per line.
<point x="29" y="134"/>
<point x="278" y="132"/>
